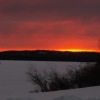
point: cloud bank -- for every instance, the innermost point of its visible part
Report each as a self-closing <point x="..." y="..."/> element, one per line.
<point x="49" y="24"/>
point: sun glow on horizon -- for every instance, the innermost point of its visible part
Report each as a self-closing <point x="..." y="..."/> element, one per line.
<point x="78" y="50"/>
<point x="70" y="50"/>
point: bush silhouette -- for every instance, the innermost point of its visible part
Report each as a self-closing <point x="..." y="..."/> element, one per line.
<point x="86" y="76"/>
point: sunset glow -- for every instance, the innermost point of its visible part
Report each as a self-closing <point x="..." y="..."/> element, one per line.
<point x="77" y="50"/>
<point x="50" y="25"/>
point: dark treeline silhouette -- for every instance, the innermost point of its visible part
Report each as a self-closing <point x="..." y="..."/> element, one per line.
<point x="47" y="55"/>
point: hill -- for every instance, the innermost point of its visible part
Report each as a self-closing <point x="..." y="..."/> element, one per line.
<point x="47" y="55"/>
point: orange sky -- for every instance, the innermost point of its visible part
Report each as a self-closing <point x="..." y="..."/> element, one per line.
<point x="49" y="24"/>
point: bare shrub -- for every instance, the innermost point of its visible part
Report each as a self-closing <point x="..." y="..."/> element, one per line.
<point x="49" y="81"/>
<point x="86" y="76"/>
<point x="38" y="79"/>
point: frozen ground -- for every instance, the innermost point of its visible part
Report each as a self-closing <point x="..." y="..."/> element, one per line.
<point x="91" y="93"/>
<point x="14" y="83"/>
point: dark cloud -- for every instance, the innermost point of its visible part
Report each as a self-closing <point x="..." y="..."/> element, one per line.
<point x="49" y="9"/>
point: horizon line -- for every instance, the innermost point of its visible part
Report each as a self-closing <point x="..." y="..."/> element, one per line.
<point x="61" y="50"/>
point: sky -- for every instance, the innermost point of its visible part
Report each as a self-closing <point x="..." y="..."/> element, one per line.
<point x="49" y="24"/>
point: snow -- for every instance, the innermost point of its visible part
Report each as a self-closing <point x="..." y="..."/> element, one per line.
<point x="14" y="83"/>
<point x="91" y="93"/>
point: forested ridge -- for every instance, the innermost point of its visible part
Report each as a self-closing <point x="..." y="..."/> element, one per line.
<point x="48" y="55"/>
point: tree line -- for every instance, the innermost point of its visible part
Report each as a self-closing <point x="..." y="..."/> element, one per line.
<point x="47" y="55"/>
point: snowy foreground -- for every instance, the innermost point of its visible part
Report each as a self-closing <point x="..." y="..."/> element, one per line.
<point x="91" y="93"/>
<point x="14" y="83"/>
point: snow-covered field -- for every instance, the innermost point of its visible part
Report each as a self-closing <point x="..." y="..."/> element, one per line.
<point x="14" y="84"/>
<point x="91" y="93"/>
